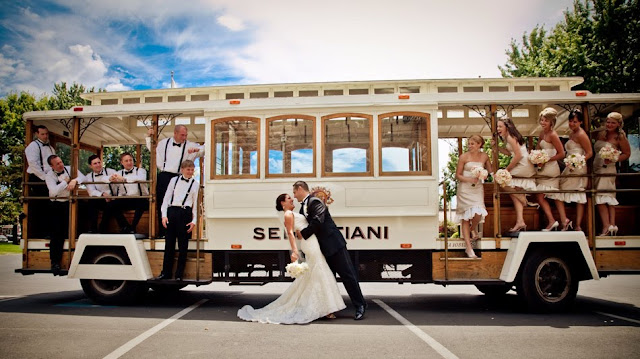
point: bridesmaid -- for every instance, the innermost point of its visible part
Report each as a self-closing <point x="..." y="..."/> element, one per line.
<point x="471" y="209"/>
<point x="549" y="142"/>
<point x="518" y="167"/>
<point x="614" y="136"/>
<point x="578" y="143"/>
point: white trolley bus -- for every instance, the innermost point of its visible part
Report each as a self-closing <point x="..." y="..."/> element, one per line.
<point x="371" y="150"/>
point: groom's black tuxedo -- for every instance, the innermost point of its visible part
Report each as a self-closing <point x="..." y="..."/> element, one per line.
<point x="332" y="245"/>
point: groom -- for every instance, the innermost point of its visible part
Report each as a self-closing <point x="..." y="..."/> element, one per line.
<point x="332" y="243"/>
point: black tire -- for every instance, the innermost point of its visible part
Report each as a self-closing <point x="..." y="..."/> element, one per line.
<point x="547" y="283"/>
<point x="112" y="292"/>
<point x="494" y="290"/>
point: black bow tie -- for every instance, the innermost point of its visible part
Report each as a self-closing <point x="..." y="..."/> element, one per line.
<point x="99" y="174"/>
<point x="44" y="143"/>
<point x="177" y="144"/>
<point x="184" y="179"/>
<point x="60" y="173"/>
<point x="128" y="172"/>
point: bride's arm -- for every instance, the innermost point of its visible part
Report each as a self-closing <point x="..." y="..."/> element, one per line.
<point x="288" y="224"/>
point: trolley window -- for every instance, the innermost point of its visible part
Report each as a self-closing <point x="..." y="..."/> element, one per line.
<point x="404" y="143"/>
<point x="235" y="147"/>
<point x="347" y="144"/>
<point x="290" y="144"/>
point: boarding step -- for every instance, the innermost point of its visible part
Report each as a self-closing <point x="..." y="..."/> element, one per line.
<point x="496" y="282"/>
<point x="62" y="272"/>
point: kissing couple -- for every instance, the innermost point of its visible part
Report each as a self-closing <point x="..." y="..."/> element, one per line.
<point x="315" y="293"/>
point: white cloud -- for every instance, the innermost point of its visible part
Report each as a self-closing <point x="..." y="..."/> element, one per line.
<point x="230" y="22"/>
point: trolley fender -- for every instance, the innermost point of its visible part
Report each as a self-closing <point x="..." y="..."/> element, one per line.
<point x="518" y="248"/>
<point x="138" y="270"/>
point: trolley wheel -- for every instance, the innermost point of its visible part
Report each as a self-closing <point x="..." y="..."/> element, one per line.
<point x="547" y="283"/>
<point x="112" y="292"/>
<point x="494" y="290"/>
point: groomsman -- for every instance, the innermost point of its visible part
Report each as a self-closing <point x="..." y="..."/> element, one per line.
<point x="170" y="152"/>
<point x="37" y="153"/>
<point x="60" y="184"/>
<point x="179" y="215"/>
<point x="129" y="177"/>
<point x="99" y="174"/>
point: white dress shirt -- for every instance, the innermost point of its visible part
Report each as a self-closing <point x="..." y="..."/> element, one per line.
<point x="132" y="187"/>
<point x="37" y="154"/>
<point x="57" y="183"/>
<point x="182" y="193"/>
<point x="97" y="190"/>
<point x="175" y="153"/>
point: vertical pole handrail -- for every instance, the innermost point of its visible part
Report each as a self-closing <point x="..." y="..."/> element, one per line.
<point x="445" y="228"/>
<point x="200" y="213"/>
<point x="153" y="176"/>
<point x="590" y="207"/>
<point x="28" y="137"/>
<point x="73" y="201"/>
<point x="497" y="235"/>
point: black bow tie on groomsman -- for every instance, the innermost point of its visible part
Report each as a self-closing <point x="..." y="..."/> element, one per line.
<point x="177" y="144"/>
<point x="98" y="174"/>
<point x="185" y="179"/>
<point x="60" y="173"/>
<point x="128" y="172"/>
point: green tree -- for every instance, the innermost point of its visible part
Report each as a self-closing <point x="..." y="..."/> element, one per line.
<point x="64" y="99"/>
<point x="111" y="156"/>
<point x="597" y="39"/>
<point x="12" y="128"/>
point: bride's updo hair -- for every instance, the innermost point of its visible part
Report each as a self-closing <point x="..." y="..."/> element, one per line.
<point x="279" y="201"/>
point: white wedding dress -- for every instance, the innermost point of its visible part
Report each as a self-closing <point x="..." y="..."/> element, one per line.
<point x="313" y="295"/>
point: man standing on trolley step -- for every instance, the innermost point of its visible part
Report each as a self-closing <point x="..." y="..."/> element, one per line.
<point x="170" y="153"/>
<point x="37" y="153"/>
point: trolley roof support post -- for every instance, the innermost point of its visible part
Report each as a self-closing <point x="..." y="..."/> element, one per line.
<point x="497" y="235"/>
<point x="153" y="176"/>
<point x="73" y="201"/>
<point x="28" y="137"/>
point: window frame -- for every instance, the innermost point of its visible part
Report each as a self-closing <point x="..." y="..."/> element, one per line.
<point x="212" y="162"/>
<point x="313" y="146"/>
<point x="325" y="118"/>
<point x="429" y="169"/>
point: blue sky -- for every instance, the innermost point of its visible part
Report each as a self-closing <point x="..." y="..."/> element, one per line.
<point x="126" y="44"/>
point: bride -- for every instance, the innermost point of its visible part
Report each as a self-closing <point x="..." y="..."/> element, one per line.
<point x="313" y="295"/>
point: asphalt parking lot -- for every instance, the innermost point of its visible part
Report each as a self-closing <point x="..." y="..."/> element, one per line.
<point x="46" y="317"/>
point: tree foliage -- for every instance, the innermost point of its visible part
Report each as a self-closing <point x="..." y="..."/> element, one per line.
<point x="598" y="40"/>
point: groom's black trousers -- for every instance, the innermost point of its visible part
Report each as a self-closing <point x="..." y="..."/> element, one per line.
<point x="340" y="263"/>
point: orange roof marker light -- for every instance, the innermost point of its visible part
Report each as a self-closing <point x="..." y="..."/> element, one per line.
<point x="78" y="109"/>
<point x="581" y="93"/>
<point x="405" y="245"/>
<point x="234" y="102"/>
<point x="236" y="246"/>
<point x="403" y="97"/>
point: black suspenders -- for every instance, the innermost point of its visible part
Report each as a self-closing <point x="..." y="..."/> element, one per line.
<point x="125" y="186"/>
<point x="166" y="147"/>
<point x="186" y="195"/>
<point x="93" y="179"/>
<point x="40" y="151"/>
<point x="65" y="169"/>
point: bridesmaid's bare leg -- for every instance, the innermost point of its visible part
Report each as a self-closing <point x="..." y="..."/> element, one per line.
<point x="564" y="221"/>
<point x="612" y="214"/>
<point x="474" y="224"/>
<point x="464" y="226"/>
<point x="579" y="216"/>
<point x="519" y="207"/>
<point x="604" y="218"/>
<point x="546" y="208"/>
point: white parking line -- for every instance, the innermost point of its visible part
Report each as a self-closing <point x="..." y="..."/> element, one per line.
<point x="619" y="317"/>
<point x="140" y="338"/>
<point x="444" y="352"/>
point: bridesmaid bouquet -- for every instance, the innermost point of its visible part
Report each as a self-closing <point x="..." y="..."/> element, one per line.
<point x="296" y="269"/>
<point x="575" y="161"/>
<point x="609" y="153"/>
<point x="538" y="158"/>
<point x="502" y="177"/>
<point x="479" y="173"/>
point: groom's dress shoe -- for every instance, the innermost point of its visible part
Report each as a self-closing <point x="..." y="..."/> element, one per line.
<point x="162" y="277"/>
<point x="359" y="312"/>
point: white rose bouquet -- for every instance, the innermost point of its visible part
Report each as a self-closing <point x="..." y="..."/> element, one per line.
<point x="575" y="161"/>
<point x="502" y="177"/>
<point x="609" y="153"/>
<point x="296" y="269"/>
<point x="538" y="158"/>
<point x="479" y="173"/>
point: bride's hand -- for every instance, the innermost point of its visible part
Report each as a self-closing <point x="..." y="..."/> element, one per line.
<point x="294" y="256"/>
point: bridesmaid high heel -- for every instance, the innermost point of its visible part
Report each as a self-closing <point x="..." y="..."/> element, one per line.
<point x="518" y="228"/>
<point x="567" y="224"/>
<point x="613" y="230"/>
<point x="470" y="254"/>
<point x="553" y="227"/>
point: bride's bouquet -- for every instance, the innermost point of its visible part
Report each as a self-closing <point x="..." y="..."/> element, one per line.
<point x="479" y="173"/>
<point x="609" y="153"/>
<point x="538" y="158"/>
<point x="502" y="177"/>
<point x="575" y="161"/>
<point x="296" y="269"/>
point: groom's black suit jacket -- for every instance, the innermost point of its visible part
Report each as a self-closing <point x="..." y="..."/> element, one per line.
<point x="321" y="224"/>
